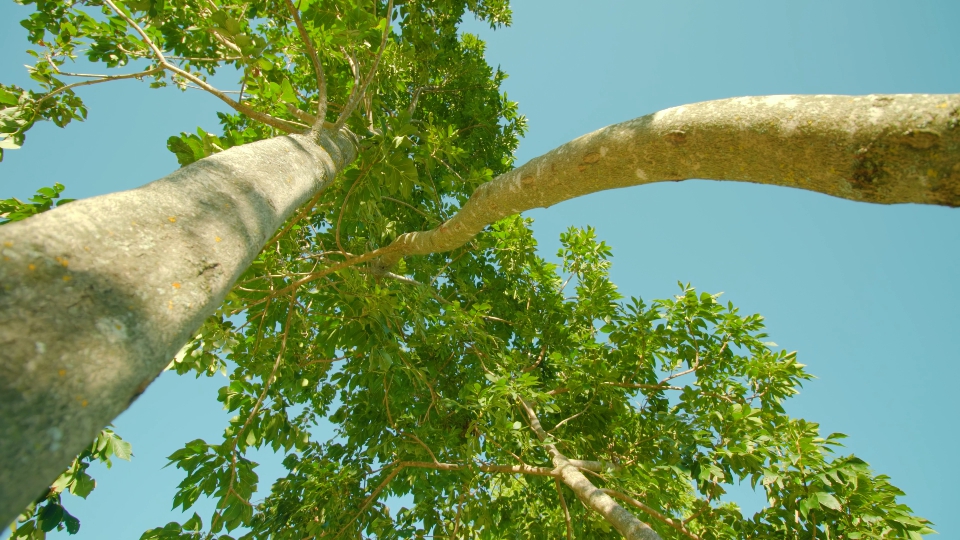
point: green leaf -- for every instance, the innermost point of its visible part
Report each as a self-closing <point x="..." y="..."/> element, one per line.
<point x="83" y="486"/>
<point x="50" y="516"/>
<point x="122" y="449"/>
<point x="828" y="500"/>
<point x="286" y="92"/>
<point x="8" y="144"/>
<point x="72" y="524"/>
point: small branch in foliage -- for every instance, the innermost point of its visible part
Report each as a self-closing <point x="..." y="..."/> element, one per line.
<point x="566" y="511"/>
<point x="357" y="93"/>
<point x="284" y="125"/>
<point x="317" y="69"/>
<point x="653" y="513"/>
<point x="98" y="79"/>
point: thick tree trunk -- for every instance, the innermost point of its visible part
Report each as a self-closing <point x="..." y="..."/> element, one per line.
<point x="96" y="297"/>
<point x="882" y="149"/>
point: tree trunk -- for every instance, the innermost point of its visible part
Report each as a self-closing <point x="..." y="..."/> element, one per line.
<point x="97" y="297"/>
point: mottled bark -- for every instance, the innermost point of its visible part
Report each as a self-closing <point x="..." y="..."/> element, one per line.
<point x="97" y="296"/>
<point x="883" y="149"/>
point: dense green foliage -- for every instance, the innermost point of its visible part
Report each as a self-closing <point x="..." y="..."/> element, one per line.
<point x="423" y="368"/>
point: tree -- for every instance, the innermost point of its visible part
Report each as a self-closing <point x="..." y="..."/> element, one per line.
<point x="873" y="172"/>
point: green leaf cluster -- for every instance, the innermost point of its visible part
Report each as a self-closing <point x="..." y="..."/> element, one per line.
<point x="47" y="513"/>
<point x="14" y="209"/>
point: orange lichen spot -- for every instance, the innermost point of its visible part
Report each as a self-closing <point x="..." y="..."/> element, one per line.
<point x="62" y="261"/>
<point x="172" y="219"/>
<point x="31" y="267"/>
<point x="83" y="403"/>
<point x="216" y="239"/>
<point x="8" y="243"/>
<point x="176" y="285"/>
<point x="66" y="278"/>
<point x="62" y="372"/>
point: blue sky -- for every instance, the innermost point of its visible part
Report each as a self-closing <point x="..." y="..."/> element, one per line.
<point x="868" y="295"/>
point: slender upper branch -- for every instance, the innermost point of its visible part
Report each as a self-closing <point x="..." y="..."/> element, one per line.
<point x="286" y="126"/>
<point x="100" y="79"/>
<point x="317" y="68"/>
<point x="357" y="93"/>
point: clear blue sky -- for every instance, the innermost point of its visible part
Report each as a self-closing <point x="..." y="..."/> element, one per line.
<point x="868" y="295"/>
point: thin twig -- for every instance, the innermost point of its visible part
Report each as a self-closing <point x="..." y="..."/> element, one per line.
<point x="99" y="79"/>
<point x="371" y="497"/>
<point x="343" y="206"/>
<point x="285" y="125"/>
<point x="566" y="511"/>
<point x="569" y="418"/>
<point x="410" y="206"/>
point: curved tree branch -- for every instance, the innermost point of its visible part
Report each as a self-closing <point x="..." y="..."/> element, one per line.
<point x="885" y="149"/>
<point x="97" y="79"/>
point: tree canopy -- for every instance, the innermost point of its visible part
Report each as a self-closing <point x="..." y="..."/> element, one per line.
<point x="507" y="396"/>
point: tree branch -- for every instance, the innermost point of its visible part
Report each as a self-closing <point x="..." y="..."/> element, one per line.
<point x="99" y="79"/>
<point x="885" y="149"/>
<point x="566" y="511"/>
<point x="317" y="69"/>
<point x="679" y="527"/>
<point x="598" y="501"/>
<point x="355" y="93"/>
<point x="284" y="125"/>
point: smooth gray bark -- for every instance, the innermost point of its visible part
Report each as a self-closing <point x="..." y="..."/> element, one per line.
<point x="97" y="297"/>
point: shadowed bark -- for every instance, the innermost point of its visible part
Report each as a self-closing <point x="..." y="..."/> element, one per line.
<point x="97" y="296"/>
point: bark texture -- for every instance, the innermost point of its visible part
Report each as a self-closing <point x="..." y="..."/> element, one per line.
<point x="884" y="149"/>
<point x="97" y="297"/>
